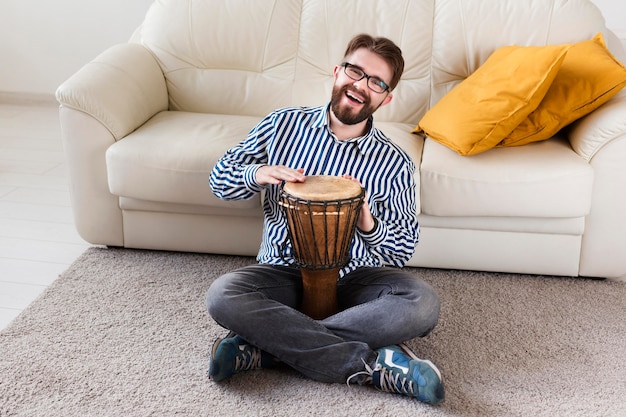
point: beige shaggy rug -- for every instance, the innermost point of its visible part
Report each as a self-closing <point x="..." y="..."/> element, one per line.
<point x="125" y="333"/>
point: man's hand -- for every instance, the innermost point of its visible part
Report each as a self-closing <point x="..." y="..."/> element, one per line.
<point x="275" y="174"/>
<point x="365" y="222"/>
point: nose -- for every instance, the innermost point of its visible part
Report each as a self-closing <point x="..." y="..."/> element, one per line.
<point x="361" y="84"/>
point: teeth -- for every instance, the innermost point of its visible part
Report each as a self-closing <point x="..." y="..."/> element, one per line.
<point x="353" y="97"/>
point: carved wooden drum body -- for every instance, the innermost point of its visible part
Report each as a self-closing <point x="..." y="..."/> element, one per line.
<point x="321" y="217"/>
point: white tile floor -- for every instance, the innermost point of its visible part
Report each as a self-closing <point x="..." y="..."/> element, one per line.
<point x="38" y="240"/>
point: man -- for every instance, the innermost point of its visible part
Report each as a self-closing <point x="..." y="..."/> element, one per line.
<point x="381" y="306"/>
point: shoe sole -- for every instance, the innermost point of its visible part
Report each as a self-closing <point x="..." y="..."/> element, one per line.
<point x="410" y="353"/>
<point x="213" y="351"/>
<point x="215" y="346"/>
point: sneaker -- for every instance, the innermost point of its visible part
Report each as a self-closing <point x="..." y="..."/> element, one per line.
<point x="233" y="354"/>
<point x="400" y="371"/>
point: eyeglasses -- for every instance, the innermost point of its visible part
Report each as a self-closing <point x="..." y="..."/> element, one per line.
<point x="373" y="83"/>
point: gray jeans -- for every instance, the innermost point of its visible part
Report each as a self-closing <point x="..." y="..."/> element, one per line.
<point x="378" y="307"/>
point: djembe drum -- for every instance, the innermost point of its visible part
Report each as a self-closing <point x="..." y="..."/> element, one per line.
<point x="321" y="220"/>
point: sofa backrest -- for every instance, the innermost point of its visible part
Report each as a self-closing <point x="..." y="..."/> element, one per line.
<point x="250" y="57"/>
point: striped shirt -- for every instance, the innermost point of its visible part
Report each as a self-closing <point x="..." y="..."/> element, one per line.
<point x="300" y="137"/>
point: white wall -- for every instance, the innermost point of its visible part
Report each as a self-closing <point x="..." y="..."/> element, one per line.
<point x="43" y="42"/>
<point x="614" y="12"/>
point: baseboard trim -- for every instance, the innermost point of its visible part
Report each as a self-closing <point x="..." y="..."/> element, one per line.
<point x="27" y="99"/>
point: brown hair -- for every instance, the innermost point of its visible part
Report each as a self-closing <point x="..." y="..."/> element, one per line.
<point x="383" y="47"/>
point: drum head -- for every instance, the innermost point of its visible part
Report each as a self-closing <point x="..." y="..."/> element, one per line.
<point x="323" y="188"/>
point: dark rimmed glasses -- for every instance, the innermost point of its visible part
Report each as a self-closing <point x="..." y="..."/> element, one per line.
<point x="373" y="83"/>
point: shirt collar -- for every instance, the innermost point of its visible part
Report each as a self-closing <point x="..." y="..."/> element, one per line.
<point x="323" y="121"/>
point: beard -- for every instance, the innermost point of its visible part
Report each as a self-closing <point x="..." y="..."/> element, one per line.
<point x="344" y="113"/>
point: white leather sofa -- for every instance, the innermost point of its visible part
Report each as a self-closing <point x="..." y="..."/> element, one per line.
<point x="144" y="123"/>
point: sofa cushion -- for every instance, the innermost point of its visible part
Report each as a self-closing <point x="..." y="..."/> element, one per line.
<point x="544" y="179"/>
<point x="399" y="133"/>
<point x="217" y="59"/>
<point x="483" y="109"/>
<point x="589" y="76"/>
<point x="169" y="159"/>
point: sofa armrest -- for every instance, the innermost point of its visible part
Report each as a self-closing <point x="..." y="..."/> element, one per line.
<point x="121" y="88"/>
<point x="591" y="133"/>
<point x="600" y="138"/>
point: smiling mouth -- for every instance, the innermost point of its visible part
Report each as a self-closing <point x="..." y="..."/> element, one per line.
<point x="354" y="98"/>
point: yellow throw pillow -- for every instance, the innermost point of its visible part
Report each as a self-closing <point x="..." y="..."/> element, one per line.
<point x="589" y="76"/>
<point x="483" y="109"/>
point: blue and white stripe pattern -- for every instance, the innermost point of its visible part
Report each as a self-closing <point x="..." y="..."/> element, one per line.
<point x="300" y="137"/>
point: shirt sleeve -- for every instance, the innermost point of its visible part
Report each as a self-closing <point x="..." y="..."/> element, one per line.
<point x="396" y="233"/>
<point x="234" y="175"/>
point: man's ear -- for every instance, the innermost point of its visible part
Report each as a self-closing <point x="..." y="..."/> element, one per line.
<point x="386" y="100"/>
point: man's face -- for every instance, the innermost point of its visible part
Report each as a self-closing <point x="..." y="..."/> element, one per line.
<point x="352" y="101"/>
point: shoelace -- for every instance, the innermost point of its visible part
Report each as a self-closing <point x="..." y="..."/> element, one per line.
<point x="249" y="358"/>
<point x="389" y="381"/>
<point x="394" y="382"/>
<point x="368" y="371"/>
